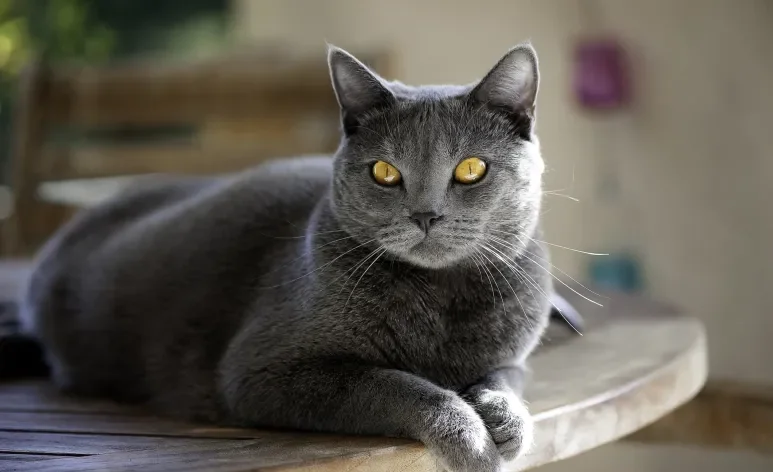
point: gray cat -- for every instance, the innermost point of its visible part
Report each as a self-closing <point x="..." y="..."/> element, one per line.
<point x="395" y="289"/>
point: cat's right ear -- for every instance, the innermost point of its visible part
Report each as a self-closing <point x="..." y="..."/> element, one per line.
<point x="511" y="87"/>
<point x="357" y="88"/>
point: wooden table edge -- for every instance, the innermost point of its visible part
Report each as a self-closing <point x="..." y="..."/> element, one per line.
<point x="644" y="400"/>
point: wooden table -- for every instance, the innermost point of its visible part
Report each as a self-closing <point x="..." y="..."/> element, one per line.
<point x="636" y="362"/>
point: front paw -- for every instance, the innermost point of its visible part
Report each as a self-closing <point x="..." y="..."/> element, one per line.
<point x="457" y="436"/>
<point x="506" y="418"/>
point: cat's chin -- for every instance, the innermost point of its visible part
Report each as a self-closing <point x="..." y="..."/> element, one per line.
<point x="431" y="255"/>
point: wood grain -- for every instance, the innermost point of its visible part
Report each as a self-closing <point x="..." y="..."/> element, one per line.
<point x="148" y="93"/>
<point x="10" y="461"/>
<point x="99" y="423"/>
<point x="269" y="452"/>
<point x="89" y="444"/>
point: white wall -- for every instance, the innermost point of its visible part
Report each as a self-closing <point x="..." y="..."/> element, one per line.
<point x="695" y="156"/>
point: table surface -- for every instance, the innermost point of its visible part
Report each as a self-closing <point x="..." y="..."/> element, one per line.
<point x="637" y="361"/>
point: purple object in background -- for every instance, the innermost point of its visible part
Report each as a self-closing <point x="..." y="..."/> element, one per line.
<point x="601" y="79"/>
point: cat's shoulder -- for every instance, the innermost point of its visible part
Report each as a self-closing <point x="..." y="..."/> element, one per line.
<point x="311" y="169"/>
<point x="283" y="180"/>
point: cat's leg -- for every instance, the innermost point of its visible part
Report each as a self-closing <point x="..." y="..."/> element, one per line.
<point x="497" y="399"/>
<point x="358" y="399"/>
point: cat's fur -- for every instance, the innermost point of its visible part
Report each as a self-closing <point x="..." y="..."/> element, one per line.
<point x="252" y="300"/>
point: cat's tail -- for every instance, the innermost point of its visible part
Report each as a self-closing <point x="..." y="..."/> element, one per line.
<point x="20" y="354"/>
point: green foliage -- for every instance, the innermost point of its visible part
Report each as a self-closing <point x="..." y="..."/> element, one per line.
<point x="95" y="31"/>
<point x="14" y="39"/>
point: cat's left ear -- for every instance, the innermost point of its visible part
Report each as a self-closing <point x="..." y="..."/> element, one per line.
<point x="357" y="88"/>
<point x="511" y="86"/>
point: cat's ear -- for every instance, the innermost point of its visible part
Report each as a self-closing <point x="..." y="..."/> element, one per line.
<point x="357" y="88"/>
<point x="511" y="86"/>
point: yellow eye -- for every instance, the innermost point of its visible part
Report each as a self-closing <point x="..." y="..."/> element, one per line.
<point x="386" y="174"/>
<point x="470" y="170"/>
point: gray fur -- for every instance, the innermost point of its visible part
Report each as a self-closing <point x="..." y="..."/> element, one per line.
<point x="251" y="299"/>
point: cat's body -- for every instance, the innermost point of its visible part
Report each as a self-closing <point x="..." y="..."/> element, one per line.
<point x="302" y="295"/>
<point x="398" y="316"/>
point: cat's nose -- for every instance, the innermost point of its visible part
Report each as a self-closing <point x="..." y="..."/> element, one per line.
<point x="425" y="220"/>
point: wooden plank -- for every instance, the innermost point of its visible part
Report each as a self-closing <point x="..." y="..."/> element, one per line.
<point x="118" y="425"/>
<point x="9" y="459"/>
<point x="89" y="444"/>
<point x="37" y="396"/>
<point x="723" y="415"/>
<point x="152" y="93"/>
<point x="99" y="98"/>
<point x="179" y="158"/>
<point x="289" y="449"/>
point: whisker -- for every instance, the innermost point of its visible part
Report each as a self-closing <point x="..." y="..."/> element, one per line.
<point x="561" y="195"/>
<point x="553" y="266"/>
<point x="495" y="282"/>
<point x="507" y="259"/>
<point x="564" y="273"/>
<point x="490" y="275"/>
<point x="517" y="298"/>
<point x="303" y="236"/>
<point x="529" y="280"/>
<point x="483" y="265"/>
<point x="513" y="266"/>
<point x="320" y="267"/>
<point x="302" y="256"/>
<point x="551" y="244"/>
<point x="562" y="282"/>
<point x="333" y="241"/>
<point x="363" y="275"/>
<point x="353" y="270"/>
<point x="475" y="261"/>
<point x="570" y="248"/>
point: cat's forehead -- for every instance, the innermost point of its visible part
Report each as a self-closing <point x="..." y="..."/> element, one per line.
<point x="431" y="113"/>
<point x="437" y="121"/>
<point x="439" y="108"/>
<point x="427" y="93"/>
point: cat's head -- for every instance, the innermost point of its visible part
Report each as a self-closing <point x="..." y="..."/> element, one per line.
<point x="434" y="174"/>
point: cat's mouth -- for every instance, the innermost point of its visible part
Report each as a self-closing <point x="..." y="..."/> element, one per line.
<point x="433" y="253"/>
<point x="435" y="248"/>
<point x="422" y="244"/>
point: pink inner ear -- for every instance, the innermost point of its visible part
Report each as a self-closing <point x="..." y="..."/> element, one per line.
<point x="601" y="79"/>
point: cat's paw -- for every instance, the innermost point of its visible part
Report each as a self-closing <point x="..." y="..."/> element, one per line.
<point x="507" y="420"/>
<point x="457" y="436"/>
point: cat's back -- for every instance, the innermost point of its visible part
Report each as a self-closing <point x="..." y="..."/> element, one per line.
<point x="167" y="256"/>
<point x="156" y="205"/>
<point x="164" y="222"/>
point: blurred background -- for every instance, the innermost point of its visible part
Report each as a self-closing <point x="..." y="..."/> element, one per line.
<point x="655" y="119"/>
